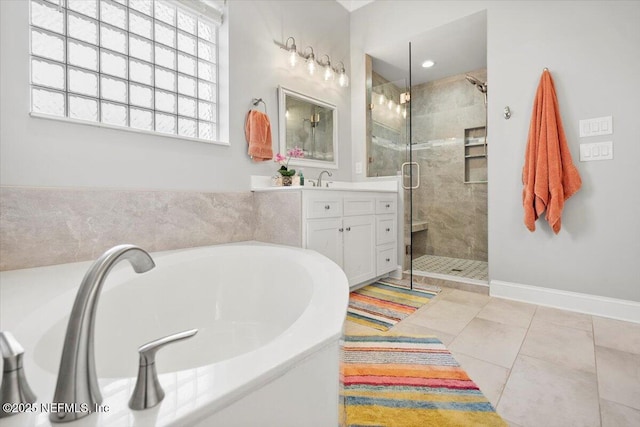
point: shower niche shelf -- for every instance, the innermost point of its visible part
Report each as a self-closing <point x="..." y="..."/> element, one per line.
<point x="475" y="155"/>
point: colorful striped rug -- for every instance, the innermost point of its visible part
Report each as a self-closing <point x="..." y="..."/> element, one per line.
<point x="381" y="305"/>
<point x="408" y="381"/>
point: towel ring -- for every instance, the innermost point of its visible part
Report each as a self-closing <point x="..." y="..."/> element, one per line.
<point x="257" y="101"/>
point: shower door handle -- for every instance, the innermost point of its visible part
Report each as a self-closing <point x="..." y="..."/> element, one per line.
<point x="410" y="187"/>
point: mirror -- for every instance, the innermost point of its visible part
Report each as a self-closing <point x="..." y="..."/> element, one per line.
<point x="310" y="124"/>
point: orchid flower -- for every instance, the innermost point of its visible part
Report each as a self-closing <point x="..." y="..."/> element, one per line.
<point x="295" y="152"/>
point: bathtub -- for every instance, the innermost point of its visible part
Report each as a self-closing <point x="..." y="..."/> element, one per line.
<point x="266" y="354"/>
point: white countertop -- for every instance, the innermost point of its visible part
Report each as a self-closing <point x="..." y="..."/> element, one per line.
<point x="391" y="185"/>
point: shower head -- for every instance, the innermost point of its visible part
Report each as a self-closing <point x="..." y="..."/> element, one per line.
<point x="482" y="86"/>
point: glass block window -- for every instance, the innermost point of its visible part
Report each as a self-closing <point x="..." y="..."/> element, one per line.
<point x="142" y="64"/>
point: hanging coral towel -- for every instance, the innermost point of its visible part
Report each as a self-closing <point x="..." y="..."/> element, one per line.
<point x="257" y="130"/>
<point x="549" y="175"/>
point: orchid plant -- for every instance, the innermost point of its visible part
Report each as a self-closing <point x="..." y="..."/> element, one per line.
<point x="295" y="153"/>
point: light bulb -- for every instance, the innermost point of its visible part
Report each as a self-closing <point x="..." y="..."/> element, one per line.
<point x="311" y="64"/>
<point x="382" y="99"/>
<point x="329" y="75"/>
<point x="390" y="104"/>
<point x="343" y="80"/>
<point x="286" y="113"/>
<point x="404" y="113"/>
<point x="292" y="52"/>
<point x="398" y="109"/>
<point x="293" y="58"/>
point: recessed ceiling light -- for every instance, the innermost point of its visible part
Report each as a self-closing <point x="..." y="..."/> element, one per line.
<point x="428" y="64"/>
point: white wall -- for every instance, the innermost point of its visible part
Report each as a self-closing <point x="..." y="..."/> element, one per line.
<point x="40" y="152"/>
<point x="592" y="51"/>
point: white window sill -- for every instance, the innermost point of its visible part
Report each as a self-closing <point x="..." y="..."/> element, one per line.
<point x="128" y="129"/>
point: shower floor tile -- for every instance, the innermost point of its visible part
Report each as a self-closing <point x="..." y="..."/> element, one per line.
<point x="466" y="268"/>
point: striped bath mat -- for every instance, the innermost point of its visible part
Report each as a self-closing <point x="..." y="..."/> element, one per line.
<point x="381" y="305"/>
<point x="408" y="381"/>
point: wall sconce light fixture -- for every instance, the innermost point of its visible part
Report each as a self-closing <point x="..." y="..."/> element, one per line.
<point x="343" y="79"/>
<point x="328" y="73"/>
<point x="293" y="52"/>
<point x="310" y="62"/>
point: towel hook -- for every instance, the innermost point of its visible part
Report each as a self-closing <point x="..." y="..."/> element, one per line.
<point x="257" y="101"/>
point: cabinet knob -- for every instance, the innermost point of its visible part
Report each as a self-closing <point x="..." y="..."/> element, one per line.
<point x="327" y="207"/>
<point x="387" y="205"/>
<point x="388" y="229"/>
<point x="388" y="259"/>
<point x="341" y="229"/>
<point x="348" y="228"/>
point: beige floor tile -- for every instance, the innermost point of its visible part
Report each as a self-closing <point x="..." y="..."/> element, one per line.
<point x="489" y="377"/>
<point x="508" y="312"/>
<point x="467" y="298"/>
<point x="618" y="376"/>
<point x="541" y="393"/>
<point x="565" y="318"/>
<point x="616" y="415"/>
<point x="445" y="316"/>
<point x="616" y="334"/>
<point x="568" y="347"/>
<point x="492" y="342"/>
<point x="413" y="329"/>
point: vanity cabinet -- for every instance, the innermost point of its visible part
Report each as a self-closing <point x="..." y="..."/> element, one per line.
<point x="357" y="230"/>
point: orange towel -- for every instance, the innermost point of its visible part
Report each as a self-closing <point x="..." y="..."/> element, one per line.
<point x="549" y="175"/>
<point x="257" y="130"/>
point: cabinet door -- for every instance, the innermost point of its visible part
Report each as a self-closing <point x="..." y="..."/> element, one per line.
<point x="359" y="248"/>
<point x="325" y="237"/>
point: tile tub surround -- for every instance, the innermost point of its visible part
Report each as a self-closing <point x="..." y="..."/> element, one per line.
<point x="279" y="217"/>
<point x="47" y="226"/>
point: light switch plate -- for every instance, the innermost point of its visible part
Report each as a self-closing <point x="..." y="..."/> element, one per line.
<point x="597" y="126"/>
<point x="358" y="167"/>
<point x="592" y="151"/>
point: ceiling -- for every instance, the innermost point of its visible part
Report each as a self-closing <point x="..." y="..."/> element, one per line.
<point x="352" y="5"/>
<point x="457" y="47"/>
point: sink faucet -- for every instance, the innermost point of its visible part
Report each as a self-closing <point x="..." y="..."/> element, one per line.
<point x="320" y="177"/>
<point x="77" y="384"/>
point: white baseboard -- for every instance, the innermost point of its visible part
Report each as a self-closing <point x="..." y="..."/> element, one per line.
<point x="573" y="301"/>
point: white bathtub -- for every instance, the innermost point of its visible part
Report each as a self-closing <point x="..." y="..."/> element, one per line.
<point x="266" y="354"/>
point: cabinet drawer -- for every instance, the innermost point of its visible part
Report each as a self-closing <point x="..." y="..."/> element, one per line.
<point x="323" y="207"/>
<point x="386" y="229"/>
<point x="386" y="205"/>
<point x="386" y="260"/>
<point x="359" y="206"/>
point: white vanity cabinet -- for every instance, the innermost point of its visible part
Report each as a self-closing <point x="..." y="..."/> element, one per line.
<point x="357" y="230"/>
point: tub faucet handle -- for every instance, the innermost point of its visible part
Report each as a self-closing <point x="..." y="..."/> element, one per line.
<point x="148" y="392"/>
<point x="14" y="388"/>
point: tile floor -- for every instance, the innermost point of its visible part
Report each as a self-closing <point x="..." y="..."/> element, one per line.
<point x="458" y="267"/>
<point x="537" y="365"/>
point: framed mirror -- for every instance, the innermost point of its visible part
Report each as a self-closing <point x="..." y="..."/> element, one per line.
<point x="310" y="124"/>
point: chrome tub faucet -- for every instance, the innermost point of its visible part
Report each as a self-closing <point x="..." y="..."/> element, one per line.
<point x="77" y="383"/>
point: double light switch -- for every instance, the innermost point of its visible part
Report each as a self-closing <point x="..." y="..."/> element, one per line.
<point x="596" y="150"/>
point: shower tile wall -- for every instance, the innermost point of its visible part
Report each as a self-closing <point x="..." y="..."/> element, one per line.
<point x="45" y="226"/>
<point x="456" y="212"/>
